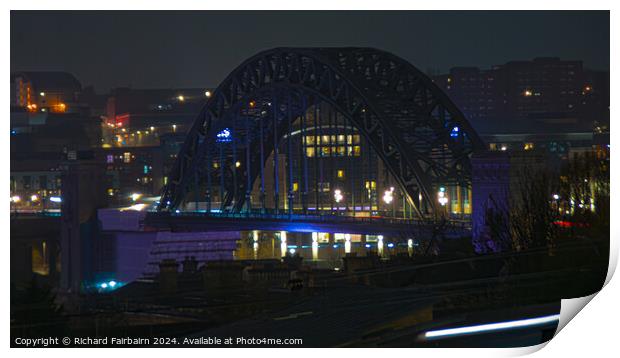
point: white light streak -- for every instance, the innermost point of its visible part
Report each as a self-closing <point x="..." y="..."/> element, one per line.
<point x="490" y="327"/>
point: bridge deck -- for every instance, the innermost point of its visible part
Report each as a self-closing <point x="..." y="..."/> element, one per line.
<point x="301" y="223"/>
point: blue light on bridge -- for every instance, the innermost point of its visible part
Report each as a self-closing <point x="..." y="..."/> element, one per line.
<point x="224" y="136"/>
<point x="390" y="245"/>
<point x="455" y="132"/>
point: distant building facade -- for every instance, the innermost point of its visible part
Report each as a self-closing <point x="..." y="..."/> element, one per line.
<point x="45" y="91"/>
<point x="546" y="87"/>
<point x="138" y="117"/>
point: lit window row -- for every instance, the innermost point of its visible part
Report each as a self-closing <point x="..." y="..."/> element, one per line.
<point x="340" y="151"/>
<point x="333" y="139"/>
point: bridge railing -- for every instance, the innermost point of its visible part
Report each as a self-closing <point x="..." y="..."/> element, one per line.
<point x="270" y="216"/>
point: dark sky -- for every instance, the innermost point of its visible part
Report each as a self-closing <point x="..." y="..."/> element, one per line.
<point x="198" y="48"/>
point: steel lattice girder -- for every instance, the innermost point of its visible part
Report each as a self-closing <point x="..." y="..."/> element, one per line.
<point x="405" y="117"/>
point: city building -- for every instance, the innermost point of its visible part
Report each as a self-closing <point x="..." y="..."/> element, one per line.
<point x="132" y="172"/>
<point x="56" y="92"/>
<point x="478" y="93"/>
<point x="545" y="87"/>
<point x="138" y="117"/>
<point x="557" y="137"/>
<point x="40" y="143"/>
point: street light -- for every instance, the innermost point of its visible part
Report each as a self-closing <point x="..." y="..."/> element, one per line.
<point x="388" y="195"/>
<point x="338" y="195"/>
<point x="442" y="196"/>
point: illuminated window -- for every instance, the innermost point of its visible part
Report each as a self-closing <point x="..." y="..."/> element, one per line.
<point x="309" y="140"/>
<point x="323" y="237"/>
<point x="371" y="184"/>
<point x="350" y="151"/>
<point x="325" y="151"/>
<point x="127" y="157"/>
<point x="60" y="107"/>
<point x="492" y="146"/>
<point x="216" y="165"/>
<point x="341" y="151"/>
<point x="110" y="159"/>
<point x="341" y="139"/>
<point x="340" y="173"/>
<point x="357" y="151"/>
<point x="295" y="186"/>
<point x="528" y="146"/>
<point x="165" y="180"/>
<point x="309" y="152"/>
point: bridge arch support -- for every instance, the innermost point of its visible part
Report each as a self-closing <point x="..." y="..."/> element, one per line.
<point x="421" y="137"/>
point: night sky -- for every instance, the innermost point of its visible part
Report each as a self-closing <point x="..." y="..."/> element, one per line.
<point x="198" y="49"/>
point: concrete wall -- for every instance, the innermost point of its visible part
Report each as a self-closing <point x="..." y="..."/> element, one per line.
<point x="490" y="196"/>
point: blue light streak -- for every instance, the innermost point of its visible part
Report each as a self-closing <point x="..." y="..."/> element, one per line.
<point x="490" y="327"/>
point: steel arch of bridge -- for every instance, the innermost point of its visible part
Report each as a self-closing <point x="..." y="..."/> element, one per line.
<point x="404" y="116"/>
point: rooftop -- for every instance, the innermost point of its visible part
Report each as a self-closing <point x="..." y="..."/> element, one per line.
<point x="46" y="80"/>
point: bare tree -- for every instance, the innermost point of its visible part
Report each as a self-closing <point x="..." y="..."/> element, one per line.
<point x="542" y="201"/>
<point x="532" y="213"/>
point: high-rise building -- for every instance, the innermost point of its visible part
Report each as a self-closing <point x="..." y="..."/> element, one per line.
<point x="478" y="93"/>
<point x="543" y="88"/>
